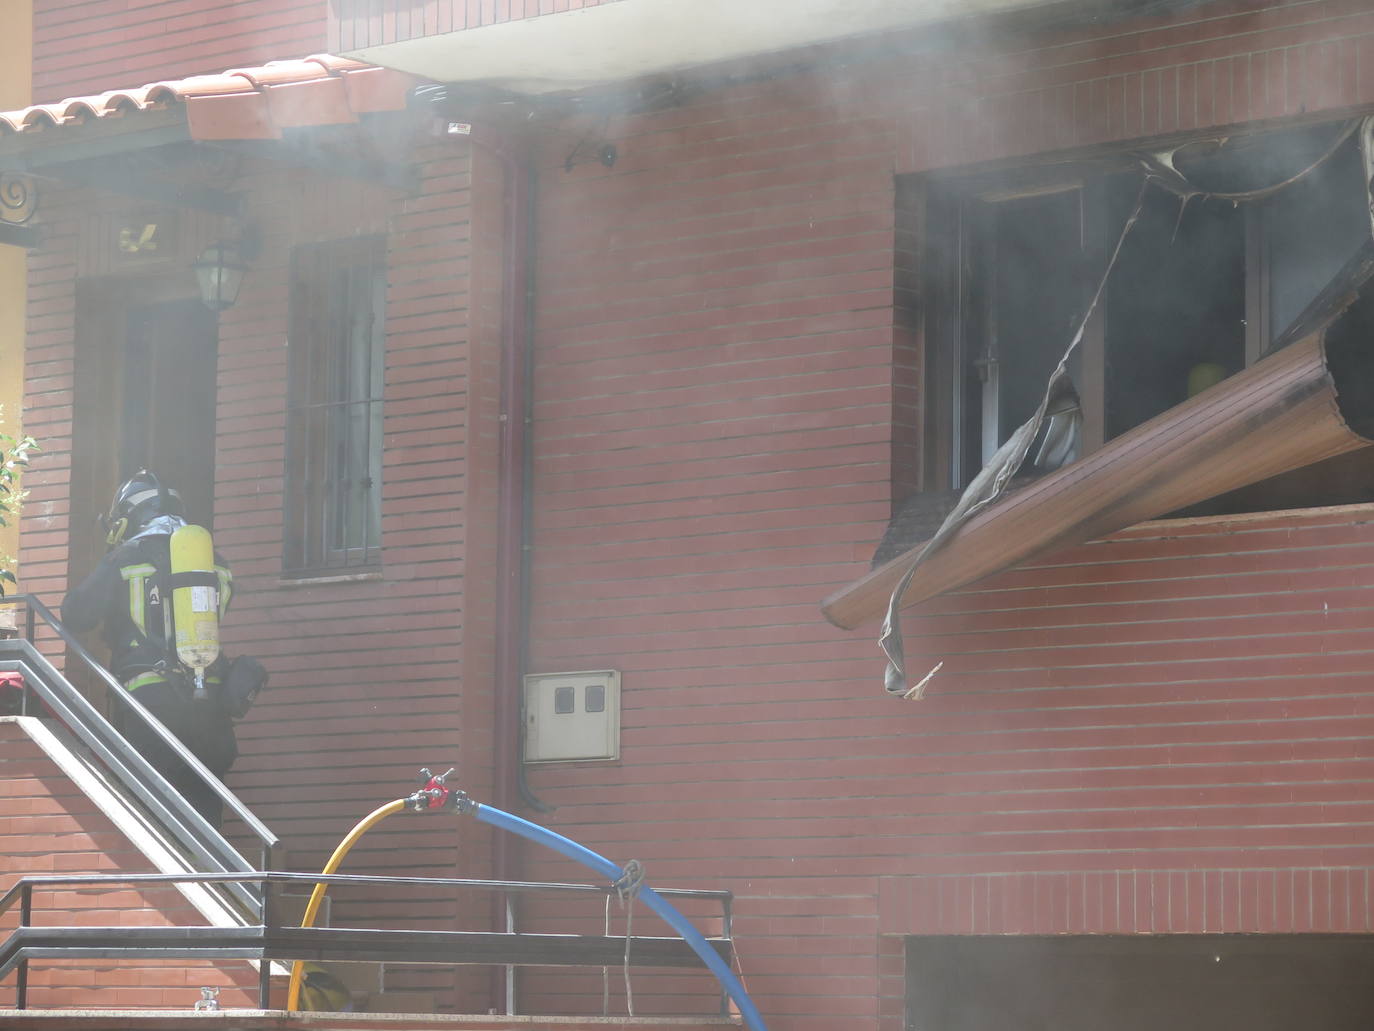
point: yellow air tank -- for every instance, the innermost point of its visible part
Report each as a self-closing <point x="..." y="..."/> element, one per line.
<point x="195" y="600"/>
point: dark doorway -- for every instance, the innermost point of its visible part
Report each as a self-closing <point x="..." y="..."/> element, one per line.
<point x="168" y="421"/>
<point x="1178" y="982"/>
<point x="143" y="394"/>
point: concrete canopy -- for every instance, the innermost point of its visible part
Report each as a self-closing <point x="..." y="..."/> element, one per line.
<point x="635" y="38"/>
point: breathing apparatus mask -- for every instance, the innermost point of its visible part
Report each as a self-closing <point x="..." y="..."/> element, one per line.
<point x="138" y="501"/>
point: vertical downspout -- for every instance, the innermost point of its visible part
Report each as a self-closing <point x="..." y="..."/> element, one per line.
<point x="531" y="201"/>
<point x="510" y="487"/>
<point x="510" y="510"/>
<point x="513" y="506"/>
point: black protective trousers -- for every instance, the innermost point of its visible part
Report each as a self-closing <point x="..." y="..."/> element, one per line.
<point x="204" y="727"/>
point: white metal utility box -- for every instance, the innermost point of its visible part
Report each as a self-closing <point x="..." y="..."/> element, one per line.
<point x="571" y="716"/>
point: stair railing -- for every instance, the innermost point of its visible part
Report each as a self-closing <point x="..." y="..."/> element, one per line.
<point x="273" y="940"/>
<point x="45" y="687"/>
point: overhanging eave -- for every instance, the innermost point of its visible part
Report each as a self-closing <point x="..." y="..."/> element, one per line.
<point x="631" y="39"/>
<point x="30" y="152"/>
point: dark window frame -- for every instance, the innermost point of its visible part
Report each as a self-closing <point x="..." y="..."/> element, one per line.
<point x="951" y="203"/>
<point x="335" y="396"/>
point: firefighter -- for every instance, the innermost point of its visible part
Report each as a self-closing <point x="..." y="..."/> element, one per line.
<point x="129" y="595"/>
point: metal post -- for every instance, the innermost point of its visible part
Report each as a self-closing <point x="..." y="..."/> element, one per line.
<point x="727" y="928"/>
<point x="269" y="917"/>
<point x="21" y="983"/>
<point x="510" y="970"/>
<point x="28" y="623"/>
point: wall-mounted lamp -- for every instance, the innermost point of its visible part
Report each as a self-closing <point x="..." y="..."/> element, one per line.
<point x="220" y="268"/>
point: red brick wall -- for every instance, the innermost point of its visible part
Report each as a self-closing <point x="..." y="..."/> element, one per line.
<point x="908" y="345"/>
<point x="48" y="826"/>
<point x="1180" y="708"/>
<point x="1217" y="65"/>
<point x="712" y="417"/>
<point x="87" y="46"/>
<point x="1177" y="709"/>
<point x="48" y="387"/>
<point x="365" y="673"/>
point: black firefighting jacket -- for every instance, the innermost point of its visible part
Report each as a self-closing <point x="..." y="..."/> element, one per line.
<point x="127" y="595"/>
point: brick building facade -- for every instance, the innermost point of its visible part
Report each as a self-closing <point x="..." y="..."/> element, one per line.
<point x="1157" y="733"/>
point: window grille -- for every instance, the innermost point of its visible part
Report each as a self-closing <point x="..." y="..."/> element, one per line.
<point x="336" y="354"/>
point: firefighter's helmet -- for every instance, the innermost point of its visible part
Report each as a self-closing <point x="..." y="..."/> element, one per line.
<point x="139" y="500"/>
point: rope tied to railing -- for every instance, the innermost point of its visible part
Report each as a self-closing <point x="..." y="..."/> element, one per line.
<point x="626" y="887"/>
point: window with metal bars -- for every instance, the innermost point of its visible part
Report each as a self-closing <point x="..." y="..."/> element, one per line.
<point x="336" y="354"/>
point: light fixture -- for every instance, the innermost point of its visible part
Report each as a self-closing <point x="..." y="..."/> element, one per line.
<point x="220" y="269"/>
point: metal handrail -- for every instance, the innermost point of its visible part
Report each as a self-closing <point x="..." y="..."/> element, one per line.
<point x="13" y="953"/>
<point x="190" y="828"/>
<point x="32" y="881"/>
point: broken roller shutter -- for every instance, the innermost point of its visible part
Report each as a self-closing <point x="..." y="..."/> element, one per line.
<point x="1310" y="401"/>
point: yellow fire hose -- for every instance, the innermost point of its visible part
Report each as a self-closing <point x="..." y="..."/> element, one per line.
<point x="435" y="796"/>
<point x="293" y="996"/>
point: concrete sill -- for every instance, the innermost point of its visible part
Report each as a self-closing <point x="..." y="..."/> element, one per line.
<point x="331" y="578"/>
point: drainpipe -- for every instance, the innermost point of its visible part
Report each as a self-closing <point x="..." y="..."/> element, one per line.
<point x="513" y="504"/>
<point x="511" y="457"/>
<point x="530" y="245"/>
<point x="509" y="513"/>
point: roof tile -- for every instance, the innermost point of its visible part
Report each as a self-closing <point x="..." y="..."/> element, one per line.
<point x="279" y="73"/>
<point x="242" y="103"/>
<point x="321" y="101"/>
<point x="376" y="89"/>
<point x="242" y="116"/>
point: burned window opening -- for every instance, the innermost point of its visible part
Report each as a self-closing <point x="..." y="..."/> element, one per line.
<point x="1204" y="287"/>
<point x="1294" y="424"/>
<point x="1346" y="479"/>
<point x="1175" y="309"/>
<point x="1277" y="417"/>
<point x="1351" y="361"/>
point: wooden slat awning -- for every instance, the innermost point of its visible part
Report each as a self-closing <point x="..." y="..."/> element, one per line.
<point x="1311" y="401"/>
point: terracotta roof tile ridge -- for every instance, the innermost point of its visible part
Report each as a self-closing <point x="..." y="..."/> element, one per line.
<point x="161" y="94"/>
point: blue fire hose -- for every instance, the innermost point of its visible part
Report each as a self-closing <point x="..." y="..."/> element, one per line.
<point x="603" y="866"/>
<point x="436" y="795"/>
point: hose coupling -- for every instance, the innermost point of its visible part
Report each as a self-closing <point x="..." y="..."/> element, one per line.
<point x="436" y="795"/>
